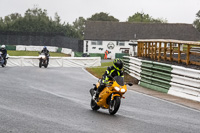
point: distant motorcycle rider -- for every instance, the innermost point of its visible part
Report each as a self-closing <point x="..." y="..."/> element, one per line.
<point x="4" y="52"/>
<point x="114" y="70"/>
<point x="46" y="52"/>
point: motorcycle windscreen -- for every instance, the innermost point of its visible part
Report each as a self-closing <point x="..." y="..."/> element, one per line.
<point x="119" y="80"/>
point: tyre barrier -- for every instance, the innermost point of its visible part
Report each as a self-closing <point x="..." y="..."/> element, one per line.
<point x="54" y="61"/>
<point x="174" y="80"/>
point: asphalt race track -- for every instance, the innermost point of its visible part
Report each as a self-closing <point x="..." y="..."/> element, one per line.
<point x="57" y="100"/>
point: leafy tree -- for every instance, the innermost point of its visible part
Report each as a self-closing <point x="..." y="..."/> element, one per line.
<point x="2" y="24"/>
<point x="12" y="17"/>
<point x="141" y="17"/>
<point x="57" y="18"/>
<point x="36" y="20"/>
<point x="9" y="20"/>
<point x="79" y="26"/>
<point x="197" y="21"/>
<point x="102" y="17"/>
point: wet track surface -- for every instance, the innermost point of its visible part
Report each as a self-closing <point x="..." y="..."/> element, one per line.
<point x="57" y="100"/>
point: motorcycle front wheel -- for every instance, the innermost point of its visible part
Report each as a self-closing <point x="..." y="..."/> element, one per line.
<point x="94" y="105"/>
<point x="114" y="105"/>
<point x="40" y="64"/>
<point x="5" y="62"/>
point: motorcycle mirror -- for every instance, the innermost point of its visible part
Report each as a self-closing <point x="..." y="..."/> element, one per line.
<point x="130" y="84"/>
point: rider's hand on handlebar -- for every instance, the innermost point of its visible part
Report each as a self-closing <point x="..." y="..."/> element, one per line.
<point x="105" y="81"/>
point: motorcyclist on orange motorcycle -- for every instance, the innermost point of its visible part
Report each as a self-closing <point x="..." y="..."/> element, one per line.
<point x="112" y="71"/>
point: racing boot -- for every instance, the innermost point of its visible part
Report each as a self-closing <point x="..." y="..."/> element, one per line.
<point x="99" y="89"/>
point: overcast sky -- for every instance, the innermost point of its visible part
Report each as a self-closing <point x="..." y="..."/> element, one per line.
<point x="175" y="11"/>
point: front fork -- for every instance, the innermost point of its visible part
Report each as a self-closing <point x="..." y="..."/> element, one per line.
<point x="112" y="100"/>
<point x="114" y="95"/>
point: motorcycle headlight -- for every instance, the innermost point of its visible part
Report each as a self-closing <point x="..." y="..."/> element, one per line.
<point x="123" y="90"/>
<point x="117" y="88"/>
<point x="42" y="56"/>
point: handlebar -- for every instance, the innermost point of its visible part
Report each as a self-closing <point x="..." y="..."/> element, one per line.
<point x="110" y="77"/>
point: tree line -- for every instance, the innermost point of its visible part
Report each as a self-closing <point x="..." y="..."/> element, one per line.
<point x="37" y="20"/>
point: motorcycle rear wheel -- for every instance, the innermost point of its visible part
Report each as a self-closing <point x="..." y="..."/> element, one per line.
<point x="94" y="105"/>
<point x="45" y="66"/>
<point x="114" y="105"/>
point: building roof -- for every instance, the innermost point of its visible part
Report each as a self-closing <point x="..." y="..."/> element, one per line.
<point x="124" y="31"/>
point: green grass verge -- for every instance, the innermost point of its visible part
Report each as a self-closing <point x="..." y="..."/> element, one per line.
<point x="106" y="64"/>
<point x="99" y="71"/>
<point x="33" y="53"/>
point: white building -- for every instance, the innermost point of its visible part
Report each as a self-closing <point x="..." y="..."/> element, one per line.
<point x="92" y="46"/>
<point x="115" y="36"/>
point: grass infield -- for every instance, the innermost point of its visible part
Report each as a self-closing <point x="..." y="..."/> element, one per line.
<point x="99" y="71"/>
<point x="33" y="53"/>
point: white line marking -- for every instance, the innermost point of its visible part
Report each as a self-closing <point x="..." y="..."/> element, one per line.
<point x="89" y="73"/>
<point x="190" y="108"/>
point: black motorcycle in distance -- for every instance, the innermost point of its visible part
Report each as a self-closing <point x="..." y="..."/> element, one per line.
<point x="2" y="61"/>
<point x="42" y="60"/>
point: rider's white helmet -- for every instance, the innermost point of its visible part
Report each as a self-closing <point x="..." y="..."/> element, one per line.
<point x="3" y="46"/>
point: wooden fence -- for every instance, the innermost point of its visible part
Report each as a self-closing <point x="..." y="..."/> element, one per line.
<point x="171" y="50"/>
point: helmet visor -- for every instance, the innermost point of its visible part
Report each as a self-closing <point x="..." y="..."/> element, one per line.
<point x="120" y="65"/>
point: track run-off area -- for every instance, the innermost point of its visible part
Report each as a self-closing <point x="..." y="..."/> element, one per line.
<point x="57" y="100"/>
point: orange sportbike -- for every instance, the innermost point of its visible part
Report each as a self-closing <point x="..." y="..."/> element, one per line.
<point x="110" y="96"/>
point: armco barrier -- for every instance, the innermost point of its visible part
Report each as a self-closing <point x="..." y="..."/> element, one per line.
<point x="186" y="72"/>
<point x="155" y="76"/>
<point x="174" y="80"/>
<point x="184" y="91"/>
<point x="39" y="48"/>
<point x="185" y="83"/>
<point x="10" y="47"/>
<point x="55" y="61"/>
<point x="120" y="55"/>
<point x="132" y="66"/>
<point x="35" y="48"/>
<point x="66" y="51"/>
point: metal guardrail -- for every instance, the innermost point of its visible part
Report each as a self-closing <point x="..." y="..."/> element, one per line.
<point x="174" y="80"/>
<point x="195" y="49"/>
